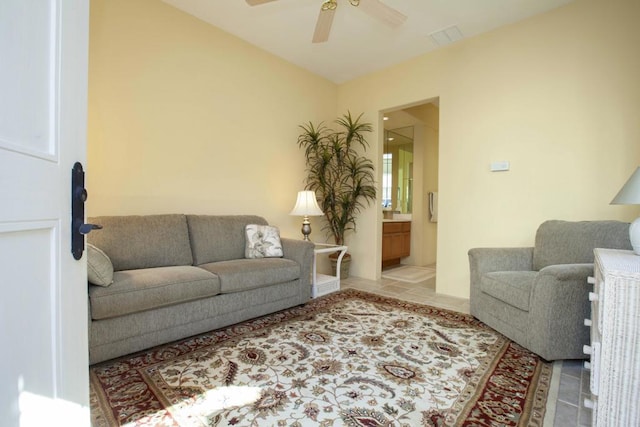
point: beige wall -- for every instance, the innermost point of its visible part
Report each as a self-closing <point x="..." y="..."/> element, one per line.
<point x="186" y="118"/>
<point x="557" y="95"/>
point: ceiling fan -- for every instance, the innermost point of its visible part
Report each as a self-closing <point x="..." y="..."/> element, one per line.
<point x="375" y="8"/>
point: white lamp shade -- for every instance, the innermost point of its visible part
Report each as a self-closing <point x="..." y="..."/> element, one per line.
<point x="629" y="194"/>
<point x="306" y="205"/>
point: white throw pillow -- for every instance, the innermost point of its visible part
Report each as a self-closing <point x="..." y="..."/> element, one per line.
<point x="99" y="266"/>
<point x="262" y="241"/>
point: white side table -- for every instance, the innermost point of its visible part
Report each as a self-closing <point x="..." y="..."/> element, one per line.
<point x="323" y="284"/>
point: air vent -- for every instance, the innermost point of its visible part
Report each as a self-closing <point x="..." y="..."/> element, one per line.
<point x="446" y="36"/>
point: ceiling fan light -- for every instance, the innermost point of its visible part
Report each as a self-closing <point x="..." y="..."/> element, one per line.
<point x="329" y="5"/>
<point x="354" y="2"/>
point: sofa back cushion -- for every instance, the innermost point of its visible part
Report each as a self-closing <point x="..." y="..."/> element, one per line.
<point x="148" y="241"/>
<point x="566" y="242"/>
<point x="219" y="237"/>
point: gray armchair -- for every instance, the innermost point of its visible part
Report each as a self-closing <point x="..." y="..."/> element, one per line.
<point x="538" y="297"/>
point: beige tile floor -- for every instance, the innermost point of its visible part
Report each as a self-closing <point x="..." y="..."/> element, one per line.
<point x="421" y="293"/>
<point x="568" y="385"/>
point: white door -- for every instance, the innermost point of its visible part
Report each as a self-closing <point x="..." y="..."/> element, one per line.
<point x="43" y="290"/>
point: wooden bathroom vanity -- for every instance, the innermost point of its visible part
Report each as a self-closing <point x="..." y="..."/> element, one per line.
<point x="396" y="241"/>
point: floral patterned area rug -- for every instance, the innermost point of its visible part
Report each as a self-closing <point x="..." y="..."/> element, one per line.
<point x="347" y="359"/>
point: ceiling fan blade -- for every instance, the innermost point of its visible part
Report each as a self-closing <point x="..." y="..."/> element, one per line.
<point x="257" y="2"/>
<point x="323" y="26"/>
<point x="381" y="11"/>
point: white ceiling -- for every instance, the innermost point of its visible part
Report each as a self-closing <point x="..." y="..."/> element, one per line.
<point x="358" y="44"/>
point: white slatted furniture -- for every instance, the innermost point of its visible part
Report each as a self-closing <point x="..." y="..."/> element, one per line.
<point x="615" y="339"/>
<point x="323" y="284"/>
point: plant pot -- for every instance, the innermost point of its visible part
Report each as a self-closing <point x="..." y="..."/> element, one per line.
<point x="344" y="264"/>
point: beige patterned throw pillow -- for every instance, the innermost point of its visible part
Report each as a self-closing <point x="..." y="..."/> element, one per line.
<point x="262" y="241"/>
<point x="99" y="266"/>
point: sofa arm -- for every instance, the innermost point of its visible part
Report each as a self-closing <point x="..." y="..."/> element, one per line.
<point x="558" y="306"/>
<point x="300" y="251"/>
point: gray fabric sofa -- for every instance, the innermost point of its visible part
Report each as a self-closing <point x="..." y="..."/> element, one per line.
<point x="538" y="296"/>
<point x="180" y="275"/>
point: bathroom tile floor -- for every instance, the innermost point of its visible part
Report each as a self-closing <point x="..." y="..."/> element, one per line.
<point x="570" y="383"/>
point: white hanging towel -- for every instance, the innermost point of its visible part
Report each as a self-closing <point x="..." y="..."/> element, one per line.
<point x="433" y="206"/>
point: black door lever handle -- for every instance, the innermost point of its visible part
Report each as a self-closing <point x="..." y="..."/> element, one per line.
<point x="86" y="228"/>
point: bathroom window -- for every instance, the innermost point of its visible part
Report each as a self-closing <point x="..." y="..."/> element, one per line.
<point x="387" y="178"/>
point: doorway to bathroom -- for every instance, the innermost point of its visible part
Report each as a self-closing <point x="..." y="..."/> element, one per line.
<point x="409" y="188"/>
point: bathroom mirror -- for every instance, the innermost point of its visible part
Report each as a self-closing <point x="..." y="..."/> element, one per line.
<point x="397" y="170"/>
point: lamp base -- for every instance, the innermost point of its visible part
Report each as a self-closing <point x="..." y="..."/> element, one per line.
<point x="306" y="229"/>
<point x="634" y="236"/>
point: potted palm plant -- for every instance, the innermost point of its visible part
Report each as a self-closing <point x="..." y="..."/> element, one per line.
<point x="342" y="178"/>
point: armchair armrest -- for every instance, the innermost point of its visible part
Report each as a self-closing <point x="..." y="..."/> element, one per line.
<point x="560" y="287"/>
<point x="484" y="260"/>
<point x="567" y="272"/>
<point x="300" y="251"/>
<point x="559" y="304"/>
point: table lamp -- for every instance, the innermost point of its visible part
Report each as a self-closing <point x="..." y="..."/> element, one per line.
<point x="306" y="206"/>
<point x="630" y="195"/>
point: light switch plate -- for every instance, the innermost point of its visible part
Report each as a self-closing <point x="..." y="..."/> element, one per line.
<point x="500" y="166"/>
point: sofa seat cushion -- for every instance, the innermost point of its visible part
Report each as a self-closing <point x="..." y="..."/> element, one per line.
<point x="512" y="287"/>
<point x="133" y="291"/>
<point x="245" y="274"/>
